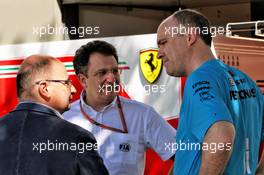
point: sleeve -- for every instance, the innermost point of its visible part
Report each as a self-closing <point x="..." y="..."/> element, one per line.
<point x="159" y="135"/>
<point x="87" y="159"/>
<point x="207" y="104"/>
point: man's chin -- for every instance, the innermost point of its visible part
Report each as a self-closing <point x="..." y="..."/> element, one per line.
<point x="173" y="73"/>
<point x="170" y="72"/>
<point x="67" y="108"/>
<point x="109" y="96"/>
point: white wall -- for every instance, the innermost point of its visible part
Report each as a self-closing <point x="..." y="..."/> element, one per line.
<point x="18" y="17"/>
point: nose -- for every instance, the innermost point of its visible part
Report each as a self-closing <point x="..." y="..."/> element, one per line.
<point x="73" y="90"/>
<point x="160" y="54"/>
<point x="111" y="77"/>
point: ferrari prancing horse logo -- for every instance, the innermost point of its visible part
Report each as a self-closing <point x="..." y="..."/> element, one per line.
<point x="150" y="65"/>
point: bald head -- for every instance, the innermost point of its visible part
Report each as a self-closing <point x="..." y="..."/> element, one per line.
<point x="33" y="68"/>
<point x="183" y="42"/>
<point x="187" y="21"/>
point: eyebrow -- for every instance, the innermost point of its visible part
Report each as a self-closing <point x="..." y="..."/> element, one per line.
<point x="161" y="40"/>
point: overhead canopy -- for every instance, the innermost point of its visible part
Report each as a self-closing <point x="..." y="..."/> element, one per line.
<point x="156" y="3"/>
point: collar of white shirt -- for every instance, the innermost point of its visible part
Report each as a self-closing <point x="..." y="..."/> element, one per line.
<point x="91" y="111"/>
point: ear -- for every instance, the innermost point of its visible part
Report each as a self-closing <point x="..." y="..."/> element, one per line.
<point x="44" y="90"/>
<point x="82" y="79"/>
<point x="191" y="38"/>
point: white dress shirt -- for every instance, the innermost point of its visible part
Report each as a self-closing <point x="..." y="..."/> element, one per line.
<point x="124" y="154"/>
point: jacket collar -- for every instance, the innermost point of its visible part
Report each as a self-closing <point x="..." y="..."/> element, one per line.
<point x="37" y="107"/>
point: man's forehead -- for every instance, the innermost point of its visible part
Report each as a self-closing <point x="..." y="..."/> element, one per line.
<point x="102" y="61"/>
<point x="171" y="21"/>
<point x="100" y="56"/>
<point x="166" y="24"/>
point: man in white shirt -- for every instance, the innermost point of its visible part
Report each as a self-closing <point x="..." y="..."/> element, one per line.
<point x="123" y="128"/>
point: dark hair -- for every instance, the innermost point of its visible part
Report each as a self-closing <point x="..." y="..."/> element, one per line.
<point x="82" y="55"/>
<point x="192" y="18"/>
<point x="26" y="74"/>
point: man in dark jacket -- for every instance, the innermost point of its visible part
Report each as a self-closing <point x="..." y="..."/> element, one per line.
<point x="34" y="139"/>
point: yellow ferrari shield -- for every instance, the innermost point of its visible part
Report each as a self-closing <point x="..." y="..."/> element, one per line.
<point x="150" y="65"/>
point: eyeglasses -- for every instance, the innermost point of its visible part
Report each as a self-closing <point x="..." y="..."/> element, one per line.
<point x="65" y="82"/>
<point x="102" y="72"/>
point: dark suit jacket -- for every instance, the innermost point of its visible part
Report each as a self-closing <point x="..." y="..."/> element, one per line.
<point x="34" y="140"/>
